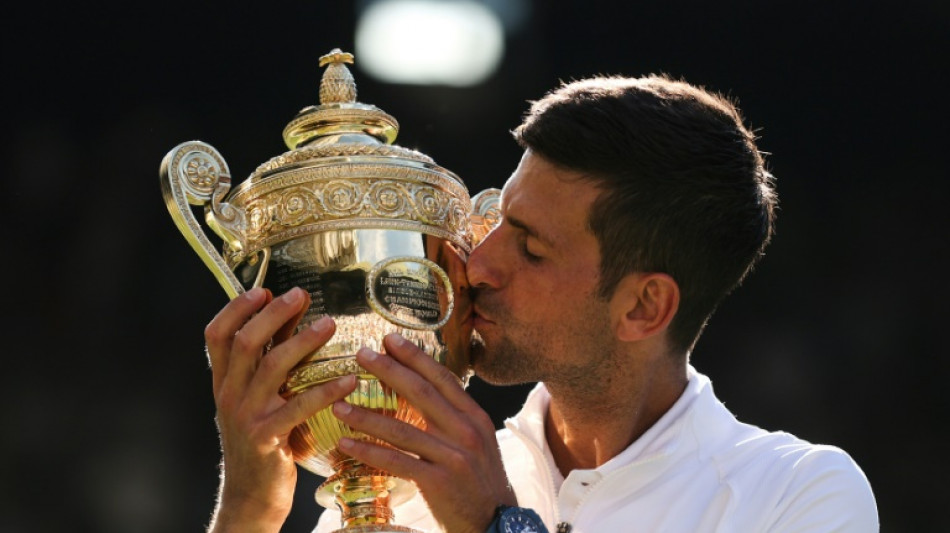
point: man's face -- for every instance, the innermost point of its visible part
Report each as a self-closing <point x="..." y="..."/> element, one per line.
<point x="537" y="311"/>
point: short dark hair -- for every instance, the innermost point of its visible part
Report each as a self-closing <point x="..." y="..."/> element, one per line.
<point x="685" y="189"/>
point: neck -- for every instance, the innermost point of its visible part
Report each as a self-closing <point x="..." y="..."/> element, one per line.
<point x="585" y="430"/>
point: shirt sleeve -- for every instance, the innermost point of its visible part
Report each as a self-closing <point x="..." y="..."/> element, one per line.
<point x="828" y="493"/>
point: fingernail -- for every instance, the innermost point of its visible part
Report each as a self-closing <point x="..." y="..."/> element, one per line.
<point x="397" y="340"/>
<point x="342" y="408"/>
<point x="345" y="443"/>
<point x="255" y="295"/>
<point x="293" y="296"/>
<point x="366" y="354"/>
<point x="322" y="324"/>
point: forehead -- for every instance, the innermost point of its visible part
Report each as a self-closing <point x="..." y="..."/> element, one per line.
<point x="551" y="200"/>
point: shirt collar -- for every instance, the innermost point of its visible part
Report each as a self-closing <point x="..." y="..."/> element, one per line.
<point x="661" y="439"/>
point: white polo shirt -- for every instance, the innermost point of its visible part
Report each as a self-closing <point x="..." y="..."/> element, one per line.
<point x="696" y="470"/>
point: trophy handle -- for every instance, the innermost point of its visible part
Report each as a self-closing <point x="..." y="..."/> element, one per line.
<point x="486" y="214"/>
<point x="195" y="173"/>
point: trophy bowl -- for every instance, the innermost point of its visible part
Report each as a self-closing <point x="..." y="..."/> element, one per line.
<point x="377" y="234"/>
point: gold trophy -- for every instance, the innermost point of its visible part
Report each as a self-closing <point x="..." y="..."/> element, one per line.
<point x="377" y="234"/>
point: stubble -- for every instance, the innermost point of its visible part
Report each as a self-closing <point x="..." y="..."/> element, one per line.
<point x="577" y="353"/>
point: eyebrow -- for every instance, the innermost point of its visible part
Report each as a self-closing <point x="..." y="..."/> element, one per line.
<point x="530" y="230"/>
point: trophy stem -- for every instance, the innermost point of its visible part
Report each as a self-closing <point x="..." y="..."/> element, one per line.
<point x="364" y="496"/>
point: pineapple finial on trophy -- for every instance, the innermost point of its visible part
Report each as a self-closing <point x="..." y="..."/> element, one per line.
<point x="337" y="85"/>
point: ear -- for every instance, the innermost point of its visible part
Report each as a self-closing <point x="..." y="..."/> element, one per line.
<point x="643" y="305"/>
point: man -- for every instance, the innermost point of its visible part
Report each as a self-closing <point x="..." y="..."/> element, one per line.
<point x="637" y="206"/>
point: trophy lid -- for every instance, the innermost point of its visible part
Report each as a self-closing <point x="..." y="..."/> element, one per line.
<point x="339" y="113"/>
<point x="342" y="171"/>
<point x="340" y="126"/>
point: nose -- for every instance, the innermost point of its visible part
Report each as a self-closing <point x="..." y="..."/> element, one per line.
<point x="483" y="263"/>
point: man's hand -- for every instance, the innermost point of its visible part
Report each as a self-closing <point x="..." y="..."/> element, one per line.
<point x="455" y="461"/>
<point x="258" y="473"/>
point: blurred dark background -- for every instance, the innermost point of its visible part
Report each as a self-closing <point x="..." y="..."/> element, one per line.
<point x="106" y="398"/>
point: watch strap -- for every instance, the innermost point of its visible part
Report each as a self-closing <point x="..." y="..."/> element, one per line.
<point x="493" y="526"/>
<point x="507" y="513"/>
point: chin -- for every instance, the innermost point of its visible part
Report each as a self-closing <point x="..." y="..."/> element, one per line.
<point x="477" y="349"/>
<point x="482" y="359"/>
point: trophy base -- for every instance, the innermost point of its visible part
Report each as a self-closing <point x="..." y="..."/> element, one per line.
<point x="365" y="496"/>
<point x="377" y="528"/>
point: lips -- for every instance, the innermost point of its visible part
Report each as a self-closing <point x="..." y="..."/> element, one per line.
<point x="479" y="320"/>
<point x="477" y="315"/>
<point x="484" y="309"/>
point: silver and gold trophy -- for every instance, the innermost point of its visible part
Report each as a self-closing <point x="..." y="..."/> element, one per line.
<point x="377" y="234"/>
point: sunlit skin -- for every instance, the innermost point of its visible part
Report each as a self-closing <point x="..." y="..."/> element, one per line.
<point x="537" y="309"/>
<point x="534" y="275"/>
<point x="540" y="317"/>
<point x="259" y="475"/>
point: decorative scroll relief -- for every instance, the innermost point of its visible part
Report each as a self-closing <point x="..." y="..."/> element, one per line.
<point x="306" y="200"/>
<point x="201" y="169"/>
<point x="320" y="371"/>
<point x="342" y="198"/>
<point x="195" y="174"/>
<point x="342" y="168"/>
<point x="309" y="153"/>
<point x="205" y="178"/>
<point x="486" y="213"/>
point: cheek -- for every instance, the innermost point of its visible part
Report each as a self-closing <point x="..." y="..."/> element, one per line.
<point x="548" y="297"/>
<point x="547" y="308"/>
<point x="570" y="290"/>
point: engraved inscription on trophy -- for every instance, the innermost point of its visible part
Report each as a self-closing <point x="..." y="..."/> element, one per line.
<point x="411" y="292"/>
<point x="285" y="276"/>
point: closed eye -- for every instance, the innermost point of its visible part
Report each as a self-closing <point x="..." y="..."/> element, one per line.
<point x="530" y="257"/>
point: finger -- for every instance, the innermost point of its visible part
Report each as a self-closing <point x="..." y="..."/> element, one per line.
<point x="385" y="458"/>
<point x="439" y="413"/>
<point x="287" y="330"/>
<point x="273" y="369"/>
<point x="395" y="432"/>
<point x="438" y="375"/>
<point x="249" y="341"/>
<point x="219" y="333"/>
<point x="302" y="406"/>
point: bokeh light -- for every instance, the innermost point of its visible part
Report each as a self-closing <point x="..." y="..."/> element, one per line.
<point x="428" y="42"/>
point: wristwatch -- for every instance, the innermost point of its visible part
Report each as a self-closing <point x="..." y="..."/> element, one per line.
<point x="516" y="520"/>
